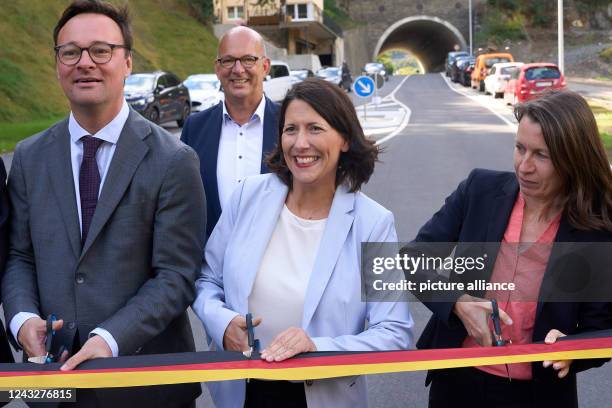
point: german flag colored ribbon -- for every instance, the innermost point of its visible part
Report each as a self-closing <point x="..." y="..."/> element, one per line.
<point x="218" y="366"/>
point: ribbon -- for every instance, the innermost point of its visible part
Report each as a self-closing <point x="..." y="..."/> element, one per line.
<point x="178" y="368"/>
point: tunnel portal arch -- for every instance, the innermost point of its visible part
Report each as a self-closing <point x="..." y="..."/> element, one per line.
<point x="428" y="38"/>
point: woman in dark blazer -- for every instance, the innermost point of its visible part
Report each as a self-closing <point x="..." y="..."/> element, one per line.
<point x="561" y="191"/>
<point x="5" y="352"/>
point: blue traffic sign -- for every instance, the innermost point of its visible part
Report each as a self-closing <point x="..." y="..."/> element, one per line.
<point x="364" y="86"/>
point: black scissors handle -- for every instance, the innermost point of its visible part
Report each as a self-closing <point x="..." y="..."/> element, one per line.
<point x="250" y="330"/>
<point x="498" y="341"/>
<point x="49" y="340"/>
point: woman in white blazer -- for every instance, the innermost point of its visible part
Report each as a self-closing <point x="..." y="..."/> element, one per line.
<point x="288" y="250"/>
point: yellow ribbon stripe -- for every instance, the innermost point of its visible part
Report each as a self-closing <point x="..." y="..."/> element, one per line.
<point x="114" y="378"/>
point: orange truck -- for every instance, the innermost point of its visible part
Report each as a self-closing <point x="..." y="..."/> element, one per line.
<point x="484" y="62"/>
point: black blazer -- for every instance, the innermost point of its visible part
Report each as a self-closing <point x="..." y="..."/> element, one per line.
<point x="202" y="132"/>
<point x="5" y="351"/>
<point x="478" y="211"/>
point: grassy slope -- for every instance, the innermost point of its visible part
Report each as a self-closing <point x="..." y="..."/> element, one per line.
<point x="165" y="36"/>
<point x="604" y="122"/>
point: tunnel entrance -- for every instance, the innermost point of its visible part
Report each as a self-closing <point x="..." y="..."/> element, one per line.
<point x="428" y="38"/>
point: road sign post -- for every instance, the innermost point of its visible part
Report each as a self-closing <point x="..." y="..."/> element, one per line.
<point x="364" y="87"/>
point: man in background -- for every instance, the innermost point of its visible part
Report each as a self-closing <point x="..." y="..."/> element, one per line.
<point x="233" y="137"/>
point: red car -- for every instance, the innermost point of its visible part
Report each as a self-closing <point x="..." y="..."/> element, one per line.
<point x="531" y="80"/>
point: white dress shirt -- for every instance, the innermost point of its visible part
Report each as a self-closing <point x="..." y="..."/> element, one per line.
<point x="240" y="149"/>
<point x="110" y="135"/>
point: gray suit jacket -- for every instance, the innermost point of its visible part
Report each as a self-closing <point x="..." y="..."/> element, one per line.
<point x="134" y="275"/>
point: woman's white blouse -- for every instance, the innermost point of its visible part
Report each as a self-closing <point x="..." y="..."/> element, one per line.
<point x="281" y="281"/>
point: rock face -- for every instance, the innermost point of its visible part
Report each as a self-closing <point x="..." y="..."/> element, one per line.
<point x="429" y="29"/>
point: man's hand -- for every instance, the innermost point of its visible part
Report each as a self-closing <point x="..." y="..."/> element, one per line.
<point x="235" y="337"/>
<point x="32" y="335"/>
<point x="94" y="347"/>
<point x="287" y="344"/>
<point x="562" y="366"/>
<point x="474" y="313"/>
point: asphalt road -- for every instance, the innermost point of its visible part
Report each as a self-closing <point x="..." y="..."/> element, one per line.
<point x="448" y="135"/>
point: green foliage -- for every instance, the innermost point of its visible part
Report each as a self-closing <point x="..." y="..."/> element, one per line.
<point x="528" y="12"/>
<point x="603" y="117"/>
<point x="331" y="10"/>
<point x="606" y="55"/>
<point x="11" y="133"/>
<point x="385" y="59"/>
<point x="166" y="37"/>
<point x="203" y="9"/>
<point x="498" y="28"/>
<point x="510" y="5"/>
<point x="592" y="4"/>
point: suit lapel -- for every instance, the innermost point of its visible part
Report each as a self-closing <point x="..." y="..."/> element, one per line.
<point x="265" y="219"/>
<point x="269" y="132"/>
<point x="128" y="154"/>
<point x="210" y="149"/>
<point x="339" y="224"/>
<point x="565" y="233"/>
<point x="500" y="210"/>
<point x="62" y="180"/>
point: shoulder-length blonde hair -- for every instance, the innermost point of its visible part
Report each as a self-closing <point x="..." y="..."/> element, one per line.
<point x="577" y="153"/>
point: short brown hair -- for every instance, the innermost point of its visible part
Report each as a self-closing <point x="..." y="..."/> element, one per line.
<point x="354" y="166"/>
<point x="119" y="15"/>
<point x="578" y="155"/>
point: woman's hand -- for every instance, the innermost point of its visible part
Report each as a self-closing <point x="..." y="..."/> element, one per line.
<point x="235" y="337"/>
<point x="562" y="366"/>
<point x="287" y="344"/>
<point x="474" y="313"/>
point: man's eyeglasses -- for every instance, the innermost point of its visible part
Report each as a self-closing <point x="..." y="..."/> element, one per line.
<point x="247" y="61"/>
<point x="99" y="52"/>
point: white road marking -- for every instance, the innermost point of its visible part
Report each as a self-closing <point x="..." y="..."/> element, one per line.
<point x="406" y="120"/>
<point x="475" y="98"/>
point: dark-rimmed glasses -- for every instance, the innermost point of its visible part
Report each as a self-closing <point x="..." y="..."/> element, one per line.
<point x="99" y="52"/>
<point x="247" y="61"/>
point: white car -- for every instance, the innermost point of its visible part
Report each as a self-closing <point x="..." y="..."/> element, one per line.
<point x="278" y="81"/>
<point x="204" y="90"/>
<point x="300" y="74"/>
<point x="498" y="77"/>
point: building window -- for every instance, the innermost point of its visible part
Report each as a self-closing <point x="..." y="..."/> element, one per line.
<point x="298" y="11"/>
<point x="236" y="12"/>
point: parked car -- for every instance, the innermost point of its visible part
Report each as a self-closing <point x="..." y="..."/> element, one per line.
<point x="372" y="68"/>
<point x="331" y="74"/>
<point x="456" y="68"/>
<point x="451" y="58"/>
<point x="158" y="96"/>
<point x="278" y="81"/>
<point x="466" y="68"/>
<point x="530" y="80"/>
<point x="484" y="62"/>
<point x="204" y="91"/>
<point x="499" y="75"/>
<point x="300" y="75"/>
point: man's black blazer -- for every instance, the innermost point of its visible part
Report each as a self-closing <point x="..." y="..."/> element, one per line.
<point x="5" y="351"/>
<point x="478" y="211"/>
<point x="202" y="132"/>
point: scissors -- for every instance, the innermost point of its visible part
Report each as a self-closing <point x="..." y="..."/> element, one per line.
<point x="253" y="342"/>
<point x="48" y="357"/>
<point x="498" y="339"/>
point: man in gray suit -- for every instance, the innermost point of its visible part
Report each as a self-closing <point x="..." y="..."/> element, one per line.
<point x="108" y="226"/>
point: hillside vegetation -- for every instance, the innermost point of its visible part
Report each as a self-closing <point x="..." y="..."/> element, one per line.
<point x="511" y="20"/>
<point x="166" y="37"/>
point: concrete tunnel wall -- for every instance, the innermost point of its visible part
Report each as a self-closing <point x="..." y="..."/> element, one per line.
<point x="428" y="38"/>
